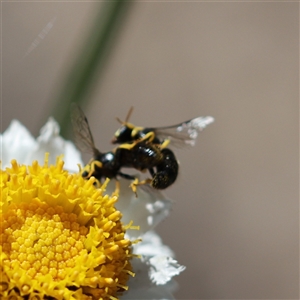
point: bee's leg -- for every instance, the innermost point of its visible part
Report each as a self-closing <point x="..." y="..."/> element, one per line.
<point x="93" y="164"/>
<point x="117" y="189"/>
<point x="130" y="177"/>
<point x="133" y="186"/>
<point x="136" y="182"/>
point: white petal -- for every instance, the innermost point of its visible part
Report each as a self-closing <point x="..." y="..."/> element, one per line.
<point x="141" y="287"/>
<point x="163" y="268"/>
<point x="50" y="141"/>
<point x="72" y="157"/>
<point x="156" y="264"/>
<point x="151" y="245"/>
<point x="146" y="210"/>
<point x="15" y="143"/>
<point x="48" y="131"/>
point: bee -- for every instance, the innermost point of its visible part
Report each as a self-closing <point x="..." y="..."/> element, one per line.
<point x="178" y="135"/>
<point x="181" y="134"/>
<point x="140" y="154"/>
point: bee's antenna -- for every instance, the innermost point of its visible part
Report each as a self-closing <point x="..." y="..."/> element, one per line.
<point x="127" y="117"/>
<point x="119" y="120"/>
<point x="129" y="114"/>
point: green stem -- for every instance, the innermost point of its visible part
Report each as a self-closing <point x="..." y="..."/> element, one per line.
<point x="90" y="60"/>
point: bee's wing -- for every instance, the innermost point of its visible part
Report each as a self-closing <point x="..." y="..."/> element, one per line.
<point x="185" y="133"/>
<point x="83" y="136"/>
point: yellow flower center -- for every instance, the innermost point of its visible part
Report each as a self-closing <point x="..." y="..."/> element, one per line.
<point x="60" y="238"/>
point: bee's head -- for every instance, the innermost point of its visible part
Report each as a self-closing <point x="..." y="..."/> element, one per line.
<point x="123" y="134"/>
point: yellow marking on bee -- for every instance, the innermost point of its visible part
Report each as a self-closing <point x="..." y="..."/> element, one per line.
<point x="135" y="130"/>
<point x="148" y="137"/>
<point x="128" y="146"/>
<point x="90" y="168"/>
<point x="165" y="144"/>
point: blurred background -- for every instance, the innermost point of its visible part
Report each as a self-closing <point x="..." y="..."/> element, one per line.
<point x="235" y="222"/>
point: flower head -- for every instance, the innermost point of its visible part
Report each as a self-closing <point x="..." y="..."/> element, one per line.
<point x="60" y="237"/>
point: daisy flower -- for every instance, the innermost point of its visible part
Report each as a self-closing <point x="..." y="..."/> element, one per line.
<point x="61" y="238"/>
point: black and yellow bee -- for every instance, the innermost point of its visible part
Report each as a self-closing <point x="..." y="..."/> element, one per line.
<point x="179" y="135"/>
<point x="141" y="155"/>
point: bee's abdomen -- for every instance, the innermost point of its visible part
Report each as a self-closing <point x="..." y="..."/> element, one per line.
<point x="167" y="170"/>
